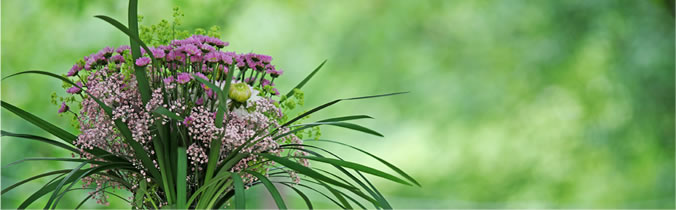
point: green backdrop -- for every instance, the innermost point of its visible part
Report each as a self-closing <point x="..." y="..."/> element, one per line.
<point x="513" y="104"/>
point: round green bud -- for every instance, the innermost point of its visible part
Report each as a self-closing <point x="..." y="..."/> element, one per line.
<point x="239" y="92"/>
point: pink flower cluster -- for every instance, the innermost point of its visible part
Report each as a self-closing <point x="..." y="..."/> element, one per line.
<point x="172" y="71"/>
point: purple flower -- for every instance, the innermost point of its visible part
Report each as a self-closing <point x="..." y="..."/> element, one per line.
<point x="183" y="78"/>
<point x="190" y="49"/>
<point x="276" y="91"/>
<point x="117" y="58"/>
<point x="249" y="80"/>
<point x="188" y="121"/>
<point x="64" y="107"/>
<point x="212" y="57"/>
<point x="270" y="69"/>
<point x="169" y="80"/>
<point x="74" y="70"/>
<point x="75" y="89"/>
<point x="266" y="82"/>
<point x="107" y="51"/>
<point x="216" y="42"/>
<point x="176" y="55"/>
<point x="196" y="59"/>
<point x="200" y="75"/>
<point x="199" y="101"/>
<point x="122" y="48"/>
<point x="157" y="52"/>
<point x="206" y="48"/>
<point x="143" y="61"/>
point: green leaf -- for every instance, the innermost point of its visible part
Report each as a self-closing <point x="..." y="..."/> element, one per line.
<point x="181" y="178"/>
<point x="134" y="40"/>
<point x="303" y="170"/>
<point x="121" y="126"/>
<point x="7" y="189"/>
<point x="240" y="200"/>
<point x="302" y="83"/>
<point x="222" y="110"/>
<point x="391" y="166"/>
<point x="271" y="188"/>
<point x="334" y="102"/>
<point x="308" y="203"/>
<point x="337" y="194"/>
<point x="52" y="159"/>
<point x="347" y="125"/>
<point x="44" y="125"/>
<point x="346" y="118"/>
<point x="358" y="167"/>
<point x="166" y="112"/>
<point x="41" y="139"/>
<point x="138" y="196"/>
<point x="379" y="201"/>
<point x="317" y="191"/>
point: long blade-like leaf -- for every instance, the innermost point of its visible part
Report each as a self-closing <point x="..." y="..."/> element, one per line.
<point x="391" y="166"/>
<point x="358" y="167"/>
<point x="181" y="178"/>
<point x="346" y="118"/>
<point x="271" y="188"/>
<point x="240" y="200"/>
<point x="41" y="139"/>
<point x="52" y="159"/>
<point x="139" y="72"/>
<point x="166" y="112"/>
<point x="303" y="170"/>
<point x="44" y="125"/>
<point x="334" y="102"/>
<point x="302" y="83"/>
<point x="7" y="189"/>
<point x="308" y="203"/>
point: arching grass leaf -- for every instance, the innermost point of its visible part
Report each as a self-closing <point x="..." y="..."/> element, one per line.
<point x="358" y="167"/>
<point x="271" y="188"/>
<point x="240" y="200"/>
<point x="302" y="83"/>
<point x="391" y="166"/>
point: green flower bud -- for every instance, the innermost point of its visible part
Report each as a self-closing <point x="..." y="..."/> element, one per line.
<point x="239" y="92"/>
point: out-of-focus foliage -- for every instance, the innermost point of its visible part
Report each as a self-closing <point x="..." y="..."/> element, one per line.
<point x="551" y="104"/>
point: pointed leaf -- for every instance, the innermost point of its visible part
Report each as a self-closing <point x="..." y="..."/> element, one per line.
<point x="271" y="188"/>
<point x="302" y="83"/>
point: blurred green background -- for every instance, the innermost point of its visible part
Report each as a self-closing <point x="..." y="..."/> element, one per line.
<point x="513" y="104"/>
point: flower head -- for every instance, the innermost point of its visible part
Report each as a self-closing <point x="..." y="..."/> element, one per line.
<point x="188" y="121"/>
<point x="142" y="61"/>
<point x="74" y="70"/>
<point x="183" y="78"/>
<point x="168" y="80"/>
<point x="122" y="48"/>
<point x="75" y="89"/>
<point x="239" y="92"/>
<point x="63" y="108"/>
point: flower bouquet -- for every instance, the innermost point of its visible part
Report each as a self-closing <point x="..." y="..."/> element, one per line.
<point x="184" y="123"/>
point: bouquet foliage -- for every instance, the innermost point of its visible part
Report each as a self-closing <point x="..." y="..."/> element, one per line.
<point x="184" y="123"/>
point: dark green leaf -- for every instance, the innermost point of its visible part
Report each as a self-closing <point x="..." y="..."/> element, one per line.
<point x="181" y="178"/>
<point x="240" y="200"/>
<point x="7" y="189"/>
<point x="41" y="139"/>
<point x="271" y="188"/>
<point x="166" y="112"/>
<point x="358" y="167"/>
<point x="391" y="166"/>
<point x="303" y="170"/>
<point x="308" y="203"/>
<point x="346" y="118"/>
<point x="333" y="102"/>
<point x="302" y="83"/>
<point x="44" y="125"/>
